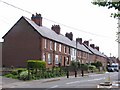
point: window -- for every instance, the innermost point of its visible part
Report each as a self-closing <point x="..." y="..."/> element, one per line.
<point x="69" y="50"/>
<point x="67" y="61"/>
<point x="45" y="43"/>
<point x="56" y="59"/>
<point x="65" y="49"/>
<point x="49" y="58"/>
<point x="74" y="52"/>
<point x="61" y="59"/>
<point x="55" y="46"/>
<point x="60" y="49"/>
<point x="50" y="45"/>
<point x="44" y="57"/>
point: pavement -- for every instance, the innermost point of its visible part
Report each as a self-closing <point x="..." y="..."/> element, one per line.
<point x="8" y="82"/>
<point x="12" y="83"/>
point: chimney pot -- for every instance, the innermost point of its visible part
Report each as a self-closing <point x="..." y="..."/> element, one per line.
<point x="86" y="42"/>
<point x="92" y="45"/>
<point x="97" y="48"/>
<point x="79" y="40"/>
<point x="37" y="19"/>
<point x="69" y="35"/>
<point x="56" y="28"/>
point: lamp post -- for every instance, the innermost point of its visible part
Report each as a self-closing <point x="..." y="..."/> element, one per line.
<point x="76" y="60"/>
<point x="88" y="56"/>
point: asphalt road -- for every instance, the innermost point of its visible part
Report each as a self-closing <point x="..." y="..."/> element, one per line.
<point x="90" y="81"/>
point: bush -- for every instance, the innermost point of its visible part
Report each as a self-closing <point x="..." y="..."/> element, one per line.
<point x="84" y="67"/>
<point x="24" y="75"/>
<point x="92" y="68"/>
<point x="11" y="76"/>
<point x="97" y="64"/>
<point x="19" y="70"/>
<point x="14" y="72"/>
<point x="36" y="64"/>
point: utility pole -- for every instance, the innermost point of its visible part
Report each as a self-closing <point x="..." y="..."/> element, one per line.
<point x="119" y="36"/>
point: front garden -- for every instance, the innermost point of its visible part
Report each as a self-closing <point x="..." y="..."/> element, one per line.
<point x="36" y="69"/>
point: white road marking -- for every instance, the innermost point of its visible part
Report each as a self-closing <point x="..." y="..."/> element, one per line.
<point x="54" y="86"/>
<point x="85" y="81"/>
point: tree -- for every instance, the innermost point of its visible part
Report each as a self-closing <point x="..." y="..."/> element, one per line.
<point x="109" y="4"/>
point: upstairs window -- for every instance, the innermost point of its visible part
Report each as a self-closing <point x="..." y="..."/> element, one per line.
<point x="60" y="48"/>
<point x="50" y="45"/>
<point x="65" y="49"/>
<point x="45" y="43"/>
<point x="69" y="50"/>
<point x="55" y="46"/>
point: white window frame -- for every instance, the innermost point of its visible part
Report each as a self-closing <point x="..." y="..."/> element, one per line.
<point x="55" y="46"/>
<point x="60" y="48"/>
<point x="49" y="58"/>
<point x="44" y="57"/>
<point x="45" y="43"/>
<point x="50" y="45"/>
<point x="61" y="59"/>
<point x="56" y="59"/>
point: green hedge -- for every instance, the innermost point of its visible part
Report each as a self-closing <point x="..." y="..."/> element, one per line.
<point x="36" y="64"/>
<point x="84" y="67"/>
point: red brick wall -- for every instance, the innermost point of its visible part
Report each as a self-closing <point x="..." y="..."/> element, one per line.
<point x="21" y="44"/>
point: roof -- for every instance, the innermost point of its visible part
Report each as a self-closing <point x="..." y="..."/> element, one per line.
<point x="94" y="51"/>
<point x="48" y="33"/>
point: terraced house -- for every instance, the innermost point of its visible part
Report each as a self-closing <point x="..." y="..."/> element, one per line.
<point x="29" y="39"/>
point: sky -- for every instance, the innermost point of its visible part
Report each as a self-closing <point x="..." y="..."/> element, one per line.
<point x="81" y="17"/>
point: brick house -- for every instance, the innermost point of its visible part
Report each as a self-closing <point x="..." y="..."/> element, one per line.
<point x="29" y="39"/>
<point x="97" y="55"/>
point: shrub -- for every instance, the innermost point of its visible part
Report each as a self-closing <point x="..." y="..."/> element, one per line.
<point x="24" y="75"/>
<point x="19" y="70"/>
<point x="84" y="66"/>
<point x="11" y="76"/>
<point x="36" y="64"/>
<point x="14" y="72"/>
<point x="92" y="68"/>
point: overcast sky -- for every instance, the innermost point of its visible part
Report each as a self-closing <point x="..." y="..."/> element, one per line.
<point x="90" y="21"/>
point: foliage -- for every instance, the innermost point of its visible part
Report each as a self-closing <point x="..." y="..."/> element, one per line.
<point x="92" y="67"/>
<point x="11" y="76"/>
<point x="108" y="4"/>
<point x="24" y="75"/>
<point x="36" y="64"/>
<point x="84" y="67"/>
<point x="97" y="64"/>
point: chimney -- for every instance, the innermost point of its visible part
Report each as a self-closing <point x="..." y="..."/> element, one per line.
<point x="37" y="19"/>
<point x="69" y="35"/>
<point x="86" y="42"/>
<point x="56" y="28"/>
<point x="79" y="40"/>
<point x="97" y="48"/>
<point x="92" y="45"/>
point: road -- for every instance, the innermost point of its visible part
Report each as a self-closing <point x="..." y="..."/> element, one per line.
<point x="90" y="81"/>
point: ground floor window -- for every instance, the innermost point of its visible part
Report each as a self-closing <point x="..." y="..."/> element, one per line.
<point x="49" y="58"/>
<point x="56" y="59"/>
<point x="44" y="56"/>
<point x="61" y="59"/>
